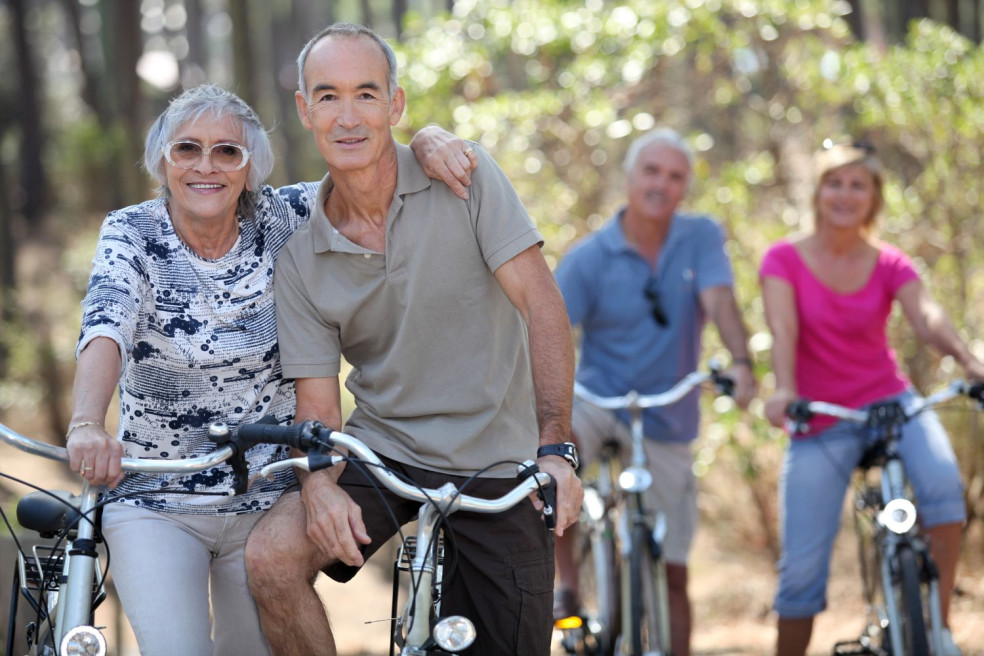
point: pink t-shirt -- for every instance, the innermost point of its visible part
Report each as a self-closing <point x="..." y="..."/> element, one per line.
<point x="842" y="355"/>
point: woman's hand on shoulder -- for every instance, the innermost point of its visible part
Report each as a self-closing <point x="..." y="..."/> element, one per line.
<point x="445" y="157"/>
<point x="776" y="404"/>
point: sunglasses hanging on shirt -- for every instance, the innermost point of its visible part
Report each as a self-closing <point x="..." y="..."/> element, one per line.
<point x="651" y="291"/>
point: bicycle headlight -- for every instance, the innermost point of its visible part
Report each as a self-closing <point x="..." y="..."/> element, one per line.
<point x="454" y="633"/>
<point x="83" y="641"/>
<point x="898" y="516"/>
<point x="635" y="479"/>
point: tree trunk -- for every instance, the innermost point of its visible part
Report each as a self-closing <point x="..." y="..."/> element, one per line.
<point x="89" y="91"/>
<point x="286" y="42"/>
<point x="912" y="10"/>
<point x="366" y="12"/>
<point x="974" y="32"/>
<point x="122" y="46"/>
<point x="855" y="19"/>
<point x="399" y="11"/>
<point x="242" y="51"/>
<point x="194" y="68"/>
<point x="32" y="176"/>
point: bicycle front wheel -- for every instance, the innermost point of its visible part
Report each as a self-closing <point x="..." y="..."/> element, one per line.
<point x="598" y="581"/>
<point x="909" y="601"/>
<point x="649" y="601"/>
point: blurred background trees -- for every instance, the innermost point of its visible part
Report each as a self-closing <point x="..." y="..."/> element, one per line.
<point x="556" y="90"/>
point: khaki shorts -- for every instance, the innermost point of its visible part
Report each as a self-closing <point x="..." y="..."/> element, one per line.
<point x="674" y="488"/>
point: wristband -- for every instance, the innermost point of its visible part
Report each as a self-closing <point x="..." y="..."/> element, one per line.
<point x="80" y="424"/>
<point x="745" y="361"/>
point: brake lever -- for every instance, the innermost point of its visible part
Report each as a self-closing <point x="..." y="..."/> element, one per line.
<point x="976" y="392"/>
<point x="546" y="493"/>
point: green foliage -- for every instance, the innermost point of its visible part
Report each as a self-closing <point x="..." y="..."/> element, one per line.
<point x="84" y="156"/>
<point x="557" y="89"/>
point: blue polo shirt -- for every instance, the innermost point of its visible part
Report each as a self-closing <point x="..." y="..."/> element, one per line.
<point x="623" y="347"/>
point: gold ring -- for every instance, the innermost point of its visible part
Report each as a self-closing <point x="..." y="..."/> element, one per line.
<point x="468" y="151"/>
<point x="83" y="469"/>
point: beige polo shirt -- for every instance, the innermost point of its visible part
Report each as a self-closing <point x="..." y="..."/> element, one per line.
<point x="441" y="366"/>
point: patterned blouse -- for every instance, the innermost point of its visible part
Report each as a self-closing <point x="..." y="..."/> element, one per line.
<point x="198" y="340"/>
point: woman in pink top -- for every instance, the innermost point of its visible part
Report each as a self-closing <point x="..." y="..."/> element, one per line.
<point x="828" y="295"/>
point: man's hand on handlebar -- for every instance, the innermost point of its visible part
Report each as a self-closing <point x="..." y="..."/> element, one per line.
<point x="96" y="455"/>
<point x="569" y="491"/>
<point x="334" y="521"/>
<point x="745" y="386"/>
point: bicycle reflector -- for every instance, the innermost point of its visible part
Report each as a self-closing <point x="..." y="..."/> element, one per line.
<point x="898" y="516"/>
<point x="569" y="623"/>
<point x="83" y="641"/>
<point x="454" y="633"/>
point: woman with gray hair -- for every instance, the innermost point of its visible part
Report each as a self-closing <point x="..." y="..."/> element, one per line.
<point x="179" y="314"/>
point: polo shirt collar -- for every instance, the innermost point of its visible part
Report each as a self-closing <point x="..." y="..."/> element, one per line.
<point x="410" y="179"/>
<point x="613" y="234"/>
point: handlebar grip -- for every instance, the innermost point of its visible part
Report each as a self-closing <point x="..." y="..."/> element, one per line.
<point x="976" y="391"/>
<point x="799" y="411"/>
<point x="725" y="384"/>
<point x="299" y="436"/>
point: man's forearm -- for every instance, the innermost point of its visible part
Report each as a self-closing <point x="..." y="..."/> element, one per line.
<point x="552" y="355"/>
<point x="730" y="326"/>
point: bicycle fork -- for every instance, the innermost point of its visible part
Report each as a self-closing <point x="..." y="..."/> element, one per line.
<point x="896" y="523"/>
<point x="655" y="577"/>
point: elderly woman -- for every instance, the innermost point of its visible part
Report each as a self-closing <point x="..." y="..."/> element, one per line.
<point x="179" y="314"/>
<point x="828" y="295"/>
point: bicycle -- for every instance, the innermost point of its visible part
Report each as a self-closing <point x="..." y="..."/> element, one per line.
<point x="62" y="578"/>
<point x="622" y="573"/>
<point x="420" y="629"/>
<point x="899" y="578"/>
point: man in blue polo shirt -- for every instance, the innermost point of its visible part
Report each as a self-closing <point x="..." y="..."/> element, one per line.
<point x="641" y="290"/>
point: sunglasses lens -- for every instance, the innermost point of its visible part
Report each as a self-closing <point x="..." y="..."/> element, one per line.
<point x="185" y="154"/>
<point x="227" y="157"/>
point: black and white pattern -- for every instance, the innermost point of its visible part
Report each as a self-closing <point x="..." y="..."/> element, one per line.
<point x="199" y="344"/>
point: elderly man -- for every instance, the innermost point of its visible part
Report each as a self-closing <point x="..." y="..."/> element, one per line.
<point x="462" y="358"/>
<point x="641" y="289"/>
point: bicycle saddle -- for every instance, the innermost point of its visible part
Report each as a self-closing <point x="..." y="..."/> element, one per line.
<point x="48" y="513"/>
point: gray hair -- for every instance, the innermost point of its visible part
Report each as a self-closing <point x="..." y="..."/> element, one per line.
<point x="664" y="137"/>
<point x="349" y="31"/>
<point x="190" y="106"/>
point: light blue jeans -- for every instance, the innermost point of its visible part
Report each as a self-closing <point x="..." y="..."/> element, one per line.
<point x="815" y="476"/>
<point x="164" y="566"/>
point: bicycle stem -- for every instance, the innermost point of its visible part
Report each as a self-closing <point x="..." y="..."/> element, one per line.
<point x="75" y="604"/>
<point x="422" y="571"/>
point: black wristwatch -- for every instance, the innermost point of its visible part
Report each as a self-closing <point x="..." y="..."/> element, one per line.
<point x="566" y="450"/>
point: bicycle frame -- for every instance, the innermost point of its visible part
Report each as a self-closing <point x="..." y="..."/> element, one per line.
<point x="637" y="528"/>
<point x="68" y="612"/>
<point x="893" y="529"/>
<point x="634" y="481"/>
<point x="414" y="632"/>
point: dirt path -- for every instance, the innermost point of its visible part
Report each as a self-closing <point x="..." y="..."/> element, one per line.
<point x="732" y="595"/>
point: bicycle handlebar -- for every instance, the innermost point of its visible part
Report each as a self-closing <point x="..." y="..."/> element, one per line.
<point x="146" y="466"/>
<point x="311" y="434"/>
<point x="802" y="411"/>
<point x="635" y="401"/>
